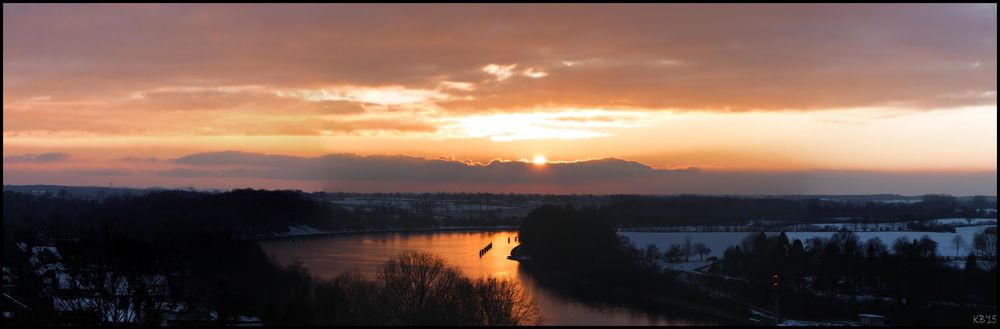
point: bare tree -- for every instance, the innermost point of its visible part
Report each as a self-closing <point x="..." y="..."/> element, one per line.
<point x="422" y="289"/>
<point x="687" y="249"/>
<point x="847" y="241"/>
<point x="673" y="254"/>
<point x="985" y="245"/>
<point x="105" y="295"/>
<point x="875" y="247"/>
<point x="958" y="241"/>
<point x="701" y="249"/>
<point x="415" y="284"/>
<point x="652" y="253"/>
<point x="504" y="303"/>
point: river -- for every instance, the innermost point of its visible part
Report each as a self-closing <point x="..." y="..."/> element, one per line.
<point x="330" y="255"/>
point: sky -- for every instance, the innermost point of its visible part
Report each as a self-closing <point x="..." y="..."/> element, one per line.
<point x="641" y="98"/>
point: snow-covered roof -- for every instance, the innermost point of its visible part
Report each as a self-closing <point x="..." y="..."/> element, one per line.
<point x="73" y="304"/>
<point x="113" y="313"/>
<point x="870" y="315"/>
<point x="65" y="281"/>
<point x="50" y="267"/>
<point x="39" y="249"/>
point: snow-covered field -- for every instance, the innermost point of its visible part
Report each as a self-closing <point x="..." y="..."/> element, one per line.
<point x="298" y="230"/>
<point x="900" y="225"/>
<point x="963" y="221"/>
<point x="442" y="208"/>
<point x="409" y="204"/>
<point x="858" y="227"/>
<point x="718" y="241"/>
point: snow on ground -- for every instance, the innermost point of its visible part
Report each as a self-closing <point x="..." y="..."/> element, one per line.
<point x="718" y="241"/>
<point x="945" y="247"/>
<point x="804" y="323"/>
<point x="963" y="221"/>
<point x="689" y="266"/>
<point x="296" y="230"/>
<point x="857" y="227"/>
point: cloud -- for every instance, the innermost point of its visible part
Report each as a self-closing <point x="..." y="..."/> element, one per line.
<point x="37" y="158"/>
<point x="229" y="110"/>
<point x="387" y="95"/>
<point x="599" y="176"/>
<point x="203" y="75"/>
<point x="99" y="172"/>
<point x="410" y="169"/>
<point x="139" y="159"/>
<point x="201" y="173"/>
<point x="502" y="72"/>
<point x="535" y="73"/>
<point x="401" y="173"/>
<point x="402" y="126"/>
<point x="553" y="124"/>
<point x="466" y="86"/>
<point x="307" y="79"/>
<point x="765" y="57"/>
<point x="240" y="158"/>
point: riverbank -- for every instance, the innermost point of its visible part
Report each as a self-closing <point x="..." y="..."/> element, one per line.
<point x="303" y="231"/>
<point x="711" y="311"/>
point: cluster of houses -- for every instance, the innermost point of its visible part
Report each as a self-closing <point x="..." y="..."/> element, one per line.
<point x="91" y="295"/>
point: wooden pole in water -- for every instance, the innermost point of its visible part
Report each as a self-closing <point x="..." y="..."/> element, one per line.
<point x="776" y="285"/>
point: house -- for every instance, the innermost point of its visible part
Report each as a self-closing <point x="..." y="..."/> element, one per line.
<point x="179" y="314"/>
<point x="872" y="319"/>
<point x="8" y="279"/>
<point x="44" y="255"/>
<point x="109" y="297"/>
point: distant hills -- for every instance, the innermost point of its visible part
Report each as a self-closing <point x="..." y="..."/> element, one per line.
<point x="98" y="192"/>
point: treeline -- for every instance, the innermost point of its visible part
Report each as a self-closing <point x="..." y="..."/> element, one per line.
<point x="905" y="279"/>
<point x="476" y="197"/>
<point x="625" y="210"/>
<point x="243" y="212"/>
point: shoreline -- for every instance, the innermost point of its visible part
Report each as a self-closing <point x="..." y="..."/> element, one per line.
<point x="397" y="230"/>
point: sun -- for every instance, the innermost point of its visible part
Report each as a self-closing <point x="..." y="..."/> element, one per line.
<point x="539" y="160"/>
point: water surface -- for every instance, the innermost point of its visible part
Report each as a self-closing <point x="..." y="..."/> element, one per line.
<point x="329" y="256"/>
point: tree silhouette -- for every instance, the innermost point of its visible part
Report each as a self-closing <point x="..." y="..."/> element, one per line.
<point x="702" y="250"/>
<point x="959" y="242"/>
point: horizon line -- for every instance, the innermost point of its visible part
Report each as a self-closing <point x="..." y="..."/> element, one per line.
<point x="224" y="190"/>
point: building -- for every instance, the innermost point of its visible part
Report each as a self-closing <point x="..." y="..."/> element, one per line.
<point x="872" y="319"/>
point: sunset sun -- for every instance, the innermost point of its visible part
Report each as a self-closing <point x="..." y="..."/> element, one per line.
<point x="539" y="160"/>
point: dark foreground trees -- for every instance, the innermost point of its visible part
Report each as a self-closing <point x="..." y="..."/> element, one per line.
<point x="571" y="250"/>
<point x="571" y="240"/>
<point x="908" y="281"/>
<point x="422" y="289"/>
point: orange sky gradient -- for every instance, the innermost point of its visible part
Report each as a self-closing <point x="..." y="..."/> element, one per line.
<point x="653" y="98"/>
